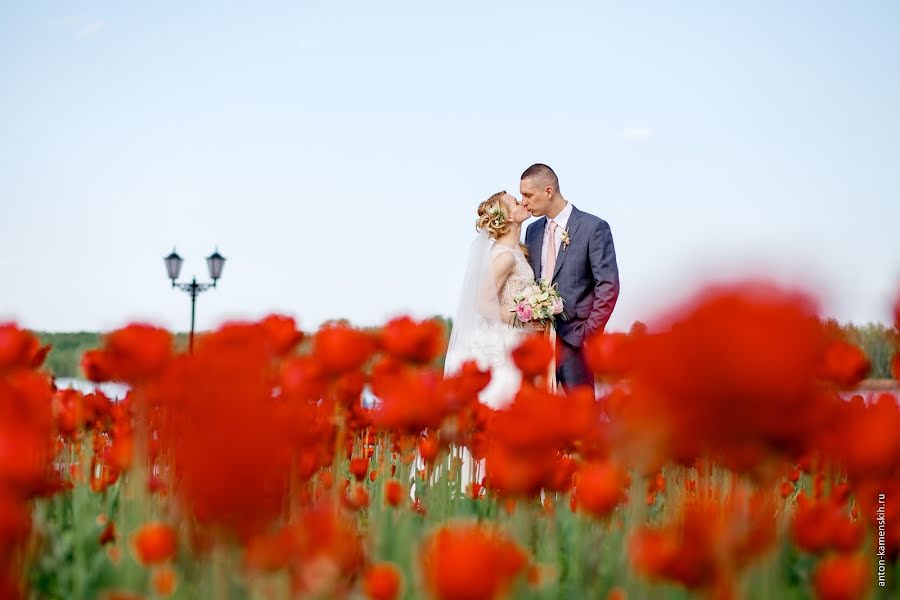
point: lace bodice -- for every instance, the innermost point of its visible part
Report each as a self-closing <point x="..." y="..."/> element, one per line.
<point x="486" y="339"/>
<point x="521" y="277"/>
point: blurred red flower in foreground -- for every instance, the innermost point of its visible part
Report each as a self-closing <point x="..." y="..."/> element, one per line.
<point x="228" y="436"/>
<point x="822" y="524"/>
<point x="404" y="339"/>
<point x="470" y="562"/>
<point x="341" y="349"/>
<point x="321" y="550"/>
<point x="844" y="364"/>
<point x="154" y="543"/>
<point x="527" y="437"/>
<point x="136" y="352"/>
<point x="19" y="349"/>
<point x="381" y="581"/>
<point x="609" y="354"/>
<point x="26" y="449"/>
<point x="533" y="355"/>
<point x="599" y="488"/>
<point x="393" y="493"/>
<point x="734" y="372"/>
<point x="282" y="333"/>
<point x="842" y="577"/>
<point x="708" y="541"/>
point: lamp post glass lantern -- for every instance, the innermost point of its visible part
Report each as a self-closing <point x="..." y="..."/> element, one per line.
<point x="215" y="262"/>
<point x="173" y="265"/>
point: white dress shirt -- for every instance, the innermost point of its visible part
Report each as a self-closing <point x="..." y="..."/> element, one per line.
<point x="562" y="221"/>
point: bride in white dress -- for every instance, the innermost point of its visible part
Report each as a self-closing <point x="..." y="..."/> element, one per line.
<point x="484" y="326"/>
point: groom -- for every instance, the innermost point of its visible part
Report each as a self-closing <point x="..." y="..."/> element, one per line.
<point x="575" y="250"/>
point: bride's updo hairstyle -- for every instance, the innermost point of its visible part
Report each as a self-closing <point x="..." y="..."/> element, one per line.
<point x="492" y="217"/>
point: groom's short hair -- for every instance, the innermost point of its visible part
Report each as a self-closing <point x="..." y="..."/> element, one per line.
<point x="544" y="173"/>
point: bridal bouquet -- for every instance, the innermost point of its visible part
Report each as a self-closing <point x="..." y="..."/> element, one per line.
<point x="538" y="302"/>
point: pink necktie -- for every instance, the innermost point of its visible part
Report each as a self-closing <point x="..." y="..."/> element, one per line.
<point x="550" y="263"/>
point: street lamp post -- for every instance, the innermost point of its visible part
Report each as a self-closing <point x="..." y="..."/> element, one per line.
<point x="215" y="262"/>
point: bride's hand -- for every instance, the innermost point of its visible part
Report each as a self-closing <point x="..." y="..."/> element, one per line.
<point x="537" y="325"/>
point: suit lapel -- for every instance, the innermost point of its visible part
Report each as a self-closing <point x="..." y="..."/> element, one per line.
<point x="535" y="246"/>
<point x="572" y="226"/>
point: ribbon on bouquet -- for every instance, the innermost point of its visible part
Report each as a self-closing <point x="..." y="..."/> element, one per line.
<point x="550" y="332"/>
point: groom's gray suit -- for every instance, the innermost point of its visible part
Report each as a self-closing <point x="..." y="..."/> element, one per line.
<point x="588" y="280"/>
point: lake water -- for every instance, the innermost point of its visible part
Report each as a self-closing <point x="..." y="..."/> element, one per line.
<point x="115" y="391"/>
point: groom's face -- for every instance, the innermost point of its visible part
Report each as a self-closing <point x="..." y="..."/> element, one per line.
<point x="536" y="196"/>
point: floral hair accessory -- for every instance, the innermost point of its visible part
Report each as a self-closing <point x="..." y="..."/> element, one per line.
<point x="498" y="216"/>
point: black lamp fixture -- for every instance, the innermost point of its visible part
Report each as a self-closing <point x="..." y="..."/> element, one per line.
<point x="215" y="262"/>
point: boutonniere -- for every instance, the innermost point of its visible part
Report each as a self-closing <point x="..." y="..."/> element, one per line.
<point x="565" y="238"/>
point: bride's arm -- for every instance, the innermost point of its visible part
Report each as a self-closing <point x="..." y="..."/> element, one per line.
<point x="501" y="268"/>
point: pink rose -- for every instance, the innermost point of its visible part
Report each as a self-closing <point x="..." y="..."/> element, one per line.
<point x="557" y="306"/>
<point x="523" y="311"/>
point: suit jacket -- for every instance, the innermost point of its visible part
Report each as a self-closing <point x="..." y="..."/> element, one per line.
<point x="586" y="273"/>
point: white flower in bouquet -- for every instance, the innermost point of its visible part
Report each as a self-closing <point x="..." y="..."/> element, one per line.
<point x="538" y="302"/>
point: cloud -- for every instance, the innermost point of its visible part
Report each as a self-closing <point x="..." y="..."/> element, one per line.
<point x="79" y="26"/>
<point x="636" y="134"/>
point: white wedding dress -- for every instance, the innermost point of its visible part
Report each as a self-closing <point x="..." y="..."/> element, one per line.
<point x="481" y="330"/>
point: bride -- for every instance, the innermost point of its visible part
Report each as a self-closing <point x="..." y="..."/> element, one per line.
<point x="484" y="326"/>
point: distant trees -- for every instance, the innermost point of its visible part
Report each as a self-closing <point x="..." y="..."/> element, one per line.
<point x="876" y="341"/>
<point x="65" y="356"/>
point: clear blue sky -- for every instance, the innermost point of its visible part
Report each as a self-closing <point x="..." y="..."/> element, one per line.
<point x="335" y="151"/>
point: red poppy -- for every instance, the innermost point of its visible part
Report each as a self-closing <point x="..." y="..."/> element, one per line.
<point x="516" y="473"/>
<point x="393" y="493"/>
<point x="303" y="378"/>
<point x="844" y="364"/>
<point x="341" y="349"/>
<point x="68" y="405"/>
<point x="355" y="497"/>
<point x="282" y="333"/>
<point x="138" y="351"/>
<point x="733" y="372"/>
<point x="411" y="398"/>
<point x="610" y="354"/>
<point x="108" y="535"/>
<point x="707" y="540"/>
<point x="222" y="393"/>
<point x="428" y="449"/>
<point x="19" y="349"/>
<point x="347" y="389"/>
<point x="822" y="524"/>
<point x="408" y="340"/>
<point x="359" y="467"/>
<point x="154" y="543"/>
<point x="533" y="355"/>
<point x="96" y="366"/>
<point x="786" y="489"/>
<point x="461" y="389"/>
<point x="26" y="427"/>
<point x="841" y="577"/>
<point x="164" y="580"/>
<point x="864" y="437"/>
<point x="599" y="488"/>
<point x="381" y="581"/>
<point x="469" y="562"/>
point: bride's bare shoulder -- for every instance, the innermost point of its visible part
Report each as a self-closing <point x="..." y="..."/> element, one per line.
<point x="502" y="259"/>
